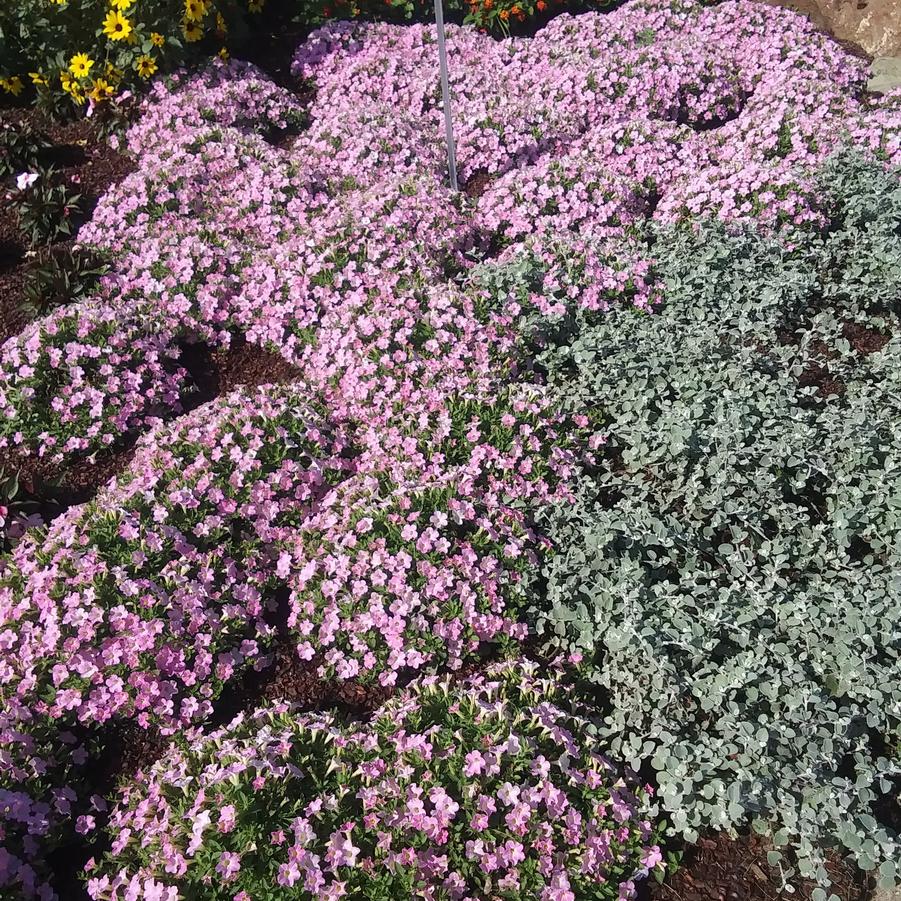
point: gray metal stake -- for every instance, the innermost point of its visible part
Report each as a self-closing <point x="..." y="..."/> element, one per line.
<point x="445" y="93"/>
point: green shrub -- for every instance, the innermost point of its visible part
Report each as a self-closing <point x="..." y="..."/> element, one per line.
<point x="48" y="209"/>
<point x="731" y="568"/>
<point x="22" y="148"/>
<point x="60" y="276"/>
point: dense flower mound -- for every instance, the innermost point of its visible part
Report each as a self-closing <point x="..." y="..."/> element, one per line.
<point x="145" y="602"/>
<point x="423" y="563"/>
<point x="231" y="94"/>
<point x="79" y="379"/>
<point x="463" y="790"/>
<point x="168" y="565"/>
<point x="660" y="110"/>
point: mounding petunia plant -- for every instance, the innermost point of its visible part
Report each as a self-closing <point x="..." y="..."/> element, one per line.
<point x="486" y="787"/>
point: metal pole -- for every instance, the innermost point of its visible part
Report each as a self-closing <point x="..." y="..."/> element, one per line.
<point x="445" y="93"/>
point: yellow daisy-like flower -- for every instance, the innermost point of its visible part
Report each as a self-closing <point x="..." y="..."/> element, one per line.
<point x="71" y="87"/>
<point x="192" y="31"/>
<point x="223" y="53"/>
<point x="221" y="26"/>
<point x="80" y="65"/>
<point x="121" y="5"/>
<point x="116" y="27"/>
<point x="146" y="66"/>
<point x="13" y="85"/>
<point x="101" y="90"/>
<point x="195" y="10"/>
<point x="157" y="39"/>
<point x="37" y="78"/>
<point x="255" y="6"/>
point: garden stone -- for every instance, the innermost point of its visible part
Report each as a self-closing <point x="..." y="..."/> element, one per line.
<point x="873" y="25"/>
<point x="885" y="74"/>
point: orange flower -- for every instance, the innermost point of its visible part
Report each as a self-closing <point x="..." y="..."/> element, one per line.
<point x="542" y="6"/>
<point x="504" y="14"/>
<point x="489" y="4"/>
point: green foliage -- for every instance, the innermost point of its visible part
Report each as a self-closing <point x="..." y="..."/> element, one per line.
<point x="61" y="276"/>
<point x="17" y="508"/>
<point x="22" y="149"/>
<point x="732" y="567"/>
<point x="47" y="210"/>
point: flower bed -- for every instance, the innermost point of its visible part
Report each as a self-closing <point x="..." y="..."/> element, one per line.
<point x="460" y="360"/>
<point x="730" y="568"/>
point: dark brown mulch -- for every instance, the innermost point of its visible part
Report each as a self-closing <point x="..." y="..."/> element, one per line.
<point x="477" y="184"/>
<point x="79" y="154"/>
<point x="273" y="51"/>
<point x="822" y="379"/>
<point x="251" y="365"/>
<point x="12" y="276"/>
<point x="217" y="371"/>
<point x="296" y="681"/>
<point x="722" y="869"/>
<point x="864" y="340"/>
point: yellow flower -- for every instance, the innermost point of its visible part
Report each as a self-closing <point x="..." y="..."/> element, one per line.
<point x="115" y="26"/>
<point x="112" y="74"/>
<point x="80" y="65"/>
<point x="195" y="10"/>
<point x="37" y="78"/>
<point x="157" y="39"/>
<point x="192" y="31"/>
<point x="255" y="6"/>
<point x="102" y="90"/>
<point x="121" y="5"/>
<point x="221" y="26"/>
<point x="223" y="53"/>
<point x="146" y="66"/>
<point x="71" y="86"/>
<point x="13" y="85"/>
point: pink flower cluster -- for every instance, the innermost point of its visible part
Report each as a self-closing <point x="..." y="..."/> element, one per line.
<point x="484" y="788"/>
<point x="145" y="602"/>
<point x="660" y="111"/>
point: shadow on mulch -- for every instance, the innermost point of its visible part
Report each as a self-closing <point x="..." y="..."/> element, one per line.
<point x="718" y="868"/>
<point x="217" y="371"/>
